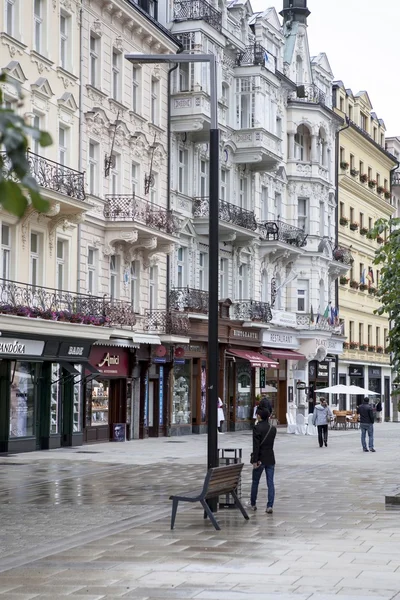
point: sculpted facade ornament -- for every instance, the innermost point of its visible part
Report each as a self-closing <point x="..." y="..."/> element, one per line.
<point x="63" y="221"/>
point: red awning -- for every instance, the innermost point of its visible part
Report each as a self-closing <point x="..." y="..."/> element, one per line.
<point x="284" y="354"/>
<point x="254" y="358"/>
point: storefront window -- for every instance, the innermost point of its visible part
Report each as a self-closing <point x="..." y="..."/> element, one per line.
<point x="97" y="394"/>
<point x="22" y="401"/>
<point x="271" y="392"/>
<point x="77" y="414"/>
<point x="181" y="394"/>
<point x="203" y="393"/>
<point x="244" y="402"/>
<point x="55" y="398"/>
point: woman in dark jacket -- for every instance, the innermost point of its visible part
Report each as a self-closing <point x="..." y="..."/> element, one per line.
<point x="263" y="458"/>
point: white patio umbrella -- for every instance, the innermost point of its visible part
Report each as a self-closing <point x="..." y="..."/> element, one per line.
<point x="346" y="389"/>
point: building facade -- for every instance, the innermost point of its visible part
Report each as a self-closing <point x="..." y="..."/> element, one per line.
<point x="365" y="195"/>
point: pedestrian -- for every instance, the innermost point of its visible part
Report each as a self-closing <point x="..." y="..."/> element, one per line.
<point x="221" y="416"/>
<point x="263" y="458"/>
<point x="366" y="425"/>
<point x="379" y="412"/>
<point x="266" y="404"/>
<point x="321" y="416"/>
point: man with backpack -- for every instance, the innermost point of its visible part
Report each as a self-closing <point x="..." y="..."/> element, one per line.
<point x="263" y="458"/>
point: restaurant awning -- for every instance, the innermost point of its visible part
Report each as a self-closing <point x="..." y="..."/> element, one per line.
<point x="284" y="354"/>
<point x="255" y="358"/>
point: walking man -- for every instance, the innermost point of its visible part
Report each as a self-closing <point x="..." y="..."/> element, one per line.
<point x="321" y="416"/>
<point x="366" y="424"/>
<point x="263" y="458"/>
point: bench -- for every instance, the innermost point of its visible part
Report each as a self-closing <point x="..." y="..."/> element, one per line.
<point x="218" y="481"/>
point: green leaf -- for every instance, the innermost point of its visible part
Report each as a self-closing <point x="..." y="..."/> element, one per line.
<point x="39" y="203"/>
<point x="12" y="198"/>
<point x="45" y="139"/>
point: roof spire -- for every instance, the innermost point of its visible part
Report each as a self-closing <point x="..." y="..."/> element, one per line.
<point x="295" y="10"/>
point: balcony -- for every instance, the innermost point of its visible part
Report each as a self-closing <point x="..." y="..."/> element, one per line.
<point x="259" y="149"/>
<point x="197" y="10"/>
<point x="249" y="310"/>
<point x="281" y="235"/>
<point x="231" y="217"/>
<point x="164" y="322"/>
<point x="309" y="93"/>
<point x="319" y="323"/>
<point x="26" y="300"/>
<point x="189" y="300"/>
<point x="252" y="55"/>
<point x="53" y="176"/>
<point x="396" y="178"/>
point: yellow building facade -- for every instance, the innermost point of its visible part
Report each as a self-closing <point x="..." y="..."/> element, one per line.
<point x="364" y="174"/>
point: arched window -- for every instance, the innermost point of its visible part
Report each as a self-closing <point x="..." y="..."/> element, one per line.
<point x="302" y="144"/>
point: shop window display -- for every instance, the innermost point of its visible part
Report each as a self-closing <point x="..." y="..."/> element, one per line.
<point x="244" y="402"/>
<point x="22" y="400"/>
<point x="97" y="395"/>
<point x="181" y="395"/>
<point x="77" y="416"/>
<point x="203" y="399"/>
<point x="55" y="398"/>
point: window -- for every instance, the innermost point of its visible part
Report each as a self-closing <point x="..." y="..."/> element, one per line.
<point x="277" y="204"/>
<point x="184" y="77"/>
<point x="374" y="135"/>
<point x="363" y="121"/>
<point x="378" y="337"/>
<point x="116" y="75"/>
<point x="183" y="166"/>
<point x="38" y="9"/>
<point x="361" y="167"/>
<point x="362" y="273"/>
<point x="223" y="278"/>
<point x="352" y="161"/>
<point x="382" y="139"/>
<point x="351" y="215"/>
<point x="135" y="178"/>
<point x="385" y="338"/>
<point x="264" y="203"/>
<point x="115" y="175"/>
<point x="361" y="220"/>
<point x="37" y="123"/>
<point x="302" y="207"/>
<point x="155" y="84"/>
<point x="154" y="190"/>
<point x="10" y="17"/>
<point x="62" y="145"/>
<point x="136" y="104"/>
<point x="342" y="155"/>
<point x="203" y="179"/>
<point x="341" y="209"/>
<point x="224" y="191"/>
<point x="5" y="251"/>
<point x="243" y="192"/>
<point x="93" y="167"/>
<point x="369" y="335"/>
<point x="369" y="223"/>
<point x="322" y="218"/>
<point x="152" y="288"/>
<point x="302" y="295"/>
<point x="94" y="60"/>
<point x="135" y="285"/>
<point x="369" y="173"/>
<point x="385" y="184"/>
<point x="351" y="331"/>
<point x="341" y="104"/>
<point x="181" y="267"/>
<point x="378" y="180"/>
<point x="114" y="276"/>
<point x="65" y="52"/>
<point x="360" y="333"/>
<point x="243" y="282"/>
<point x="378" y="274"/>
<point x="62" y="264"/>
<point x="245" y="102"/>
<point x="225" y="93"/>
<point x="91" y="271"/>
<point x="35" y="275"/>
<point x="203" y="271"/>
<point x="350" y="112"/>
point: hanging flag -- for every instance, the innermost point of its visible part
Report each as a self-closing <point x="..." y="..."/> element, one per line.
<point x="362" y="278"/>
<point x="312" y="316"/>
<point x="326" y="313"/>
<point x="332" y="319"/>
<point x="318" y="317"/>
<point x="337" y="320"/>
<point x="370" y="276"/>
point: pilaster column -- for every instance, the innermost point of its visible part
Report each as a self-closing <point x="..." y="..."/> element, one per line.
<point x="291" y="146"/>
<point x="314" y="148"/>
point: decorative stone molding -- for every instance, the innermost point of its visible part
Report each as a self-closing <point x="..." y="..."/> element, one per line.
<point x="112" y="238"/>
<point x="63" y="221"/>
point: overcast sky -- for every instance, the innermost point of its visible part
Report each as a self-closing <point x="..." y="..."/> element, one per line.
<point x="362" y="41"/>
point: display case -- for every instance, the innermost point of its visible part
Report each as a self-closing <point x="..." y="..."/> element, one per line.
<point x="181" y="394"/>
<point x="77" y="402"/>
<point x="244" y="404"/>
<point x="100" y="397"/>
<point x="55" y="395"/>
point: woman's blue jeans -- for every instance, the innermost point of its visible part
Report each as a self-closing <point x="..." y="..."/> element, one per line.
<point x="269" y="472"/>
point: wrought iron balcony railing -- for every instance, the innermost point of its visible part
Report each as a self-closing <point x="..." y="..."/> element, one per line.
<point x="52" y="175"/>
<point x="132" y="208"/>
<point x="252" y="55"/>
<point x="197" y="10"/>
<point x="308" y="92"/>
<point x="189" y="300"/>
<point x="279" y="231"/>
<point x="229" y="213"/>
<point x="162" y="321"/>
<point x="343" y="255"/>
<point x="319" y="322"/>
<point x="396" y="178"/>
<point x="34" y="301"/>
<point x="250" y="310"/>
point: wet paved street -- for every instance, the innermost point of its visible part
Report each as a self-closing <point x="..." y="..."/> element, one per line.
<point x="93" y="523"/>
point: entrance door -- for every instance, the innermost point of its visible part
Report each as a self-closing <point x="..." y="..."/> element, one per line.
<point x="387" y="398"/>
<point x="154" y="408"/>
<point x="282" y="402"/>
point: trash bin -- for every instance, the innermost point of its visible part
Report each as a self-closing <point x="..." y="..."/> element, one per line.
<point x="230" y="456"/>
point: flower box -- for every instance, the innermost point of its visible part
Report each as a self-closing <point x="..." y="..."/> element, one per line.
<point x="344" y="221"/>
<point x="344" y="280"/>
<point x="387" y="194"/>
<point x="354" y="284"/>
<point x="372" y="291"/>
<point x="353" y="345"/>
<point x="371" y="183"/>
<point x="380" y="189"/>
<point x="363" y="287"/>
<point x="363" y="230"/>
<point x="380" y="239"/>
<point x="379" y="349"/>
<point x="363" y="347"/>
<point x="354" y="172"/>
<point x="344" y="165"/>
<point x="364" y="178"/>
<point x="345" y="346"/>
<point x="354" y="226"/>
<point x="371" y="348"/>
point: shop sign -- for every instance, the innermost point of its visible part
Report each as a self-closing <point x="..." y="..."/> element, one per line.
<point x="12" y="346"/>
<point x="356" y="371"/>
<point x="374" y="372"/>
<point x="323" y="370"/>
<point x="262" y="378"/>
<point x="283" y="318"/>
<point x="330" y="344"/>
<point x="161" y="393"/>
<point x="280" y="339"/>
<point x="247" y="335"/>
<point x="74" y="350"/>
<point x="110" y="361"/>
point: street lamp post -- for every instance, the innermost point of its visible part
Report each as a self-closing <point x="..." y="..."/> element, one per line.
<point x="213" y="346"/>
